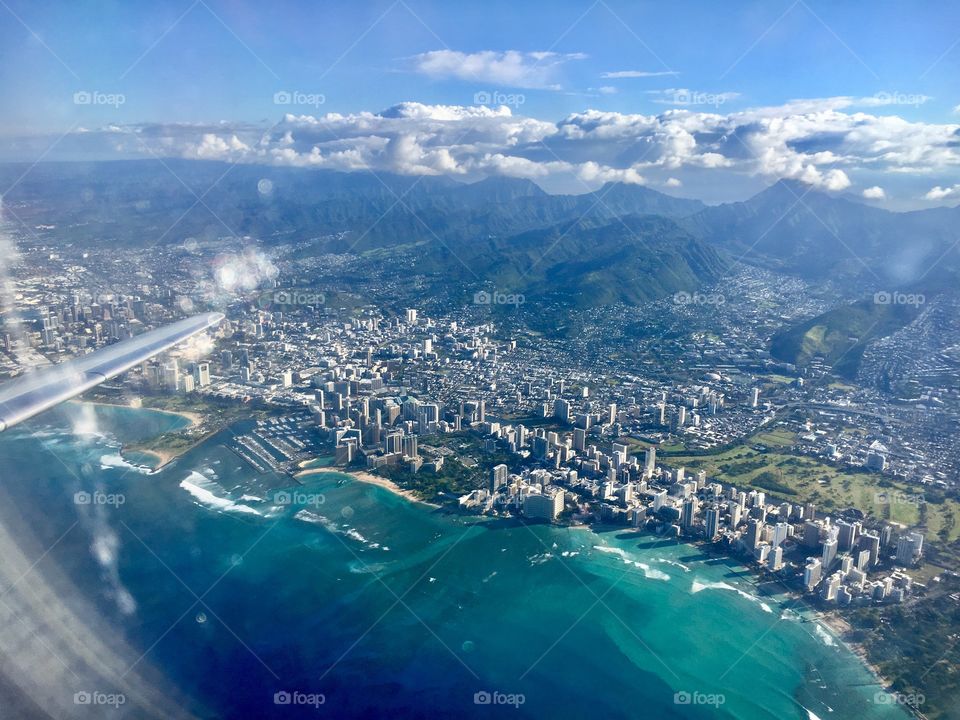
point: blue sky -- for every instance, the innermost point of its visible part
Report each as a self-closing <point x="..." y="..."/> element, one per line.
<point x="228" y="62"/>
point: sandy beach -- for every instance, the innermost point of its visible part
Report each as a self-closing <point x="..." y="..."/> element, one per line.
<point x="193" y="417"/>
<point x="369" y="478"/>
<point x="162" y="456"/>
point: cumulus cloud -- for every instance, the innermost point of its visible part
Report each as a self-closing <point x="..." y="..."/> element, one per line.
<point x="824" y="142"/>
<point x="875" y="193"/>
<point x="212" y="146"/>
<point x="941" y="193"/>
<point x="511" y="67"/>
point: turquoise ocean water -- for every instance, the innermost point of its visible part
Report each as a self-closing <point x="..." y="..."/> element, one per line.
<point x="387" y="608"/>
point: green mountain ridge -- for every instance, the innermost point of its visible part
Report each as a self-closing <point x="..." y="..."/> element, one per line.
<point x="840" y="336"/>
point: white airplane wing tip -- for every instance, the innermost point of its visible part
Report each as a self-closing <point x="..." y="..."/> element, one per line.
<point x="35" y="392"/>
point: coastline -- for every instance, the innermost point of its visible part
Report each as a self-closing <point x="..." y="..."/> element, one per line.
<point x="833" y="622"/>
<point x="842" y="628"/>
<point x="366" y="477"/>
<point x="164" y="456"/>
<point x="193" y="417"/>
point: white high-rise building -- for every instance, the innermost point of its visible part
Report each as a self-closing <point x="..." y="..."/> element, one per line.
<point x="829" y="553"/>
<point x="831" y="588"/>
<point x="736" y="514"/>
<point x="712" y="518"/>
<point x="546" y="505"/>
<point x="811" y="573"/>
<point x="688" y="513"/>
<point x="847" y="533"/>
<point x="201" y="374"/>
<point x="780" y="533"/>
<point x="909" y="548"/>
<point x="498" y="477"/>
<point x="171" y="375"/>
<point x="775" y="559"/>
<point x="650" y="461"/>
<point x="579" y="439"/>
<point x="659" y="500"/>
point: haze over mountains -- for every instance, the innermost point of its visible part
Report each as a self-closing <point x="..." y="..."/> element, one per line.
<point x="794" y="228"/>
<point x="620" y="243"/>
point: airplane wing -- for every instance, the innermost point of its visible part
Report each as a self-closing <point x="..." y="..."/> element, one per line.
<point x="41" y="390"/>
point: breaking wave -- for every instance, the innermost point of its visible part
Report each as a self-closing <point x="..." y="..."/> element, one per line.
<point x="194" y="484"/>
<point x="698" y="586"/>
<point x="648" y="572"/>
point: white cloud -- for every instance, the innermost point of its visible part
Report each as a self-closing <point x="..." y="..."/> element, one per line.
<point x="214" y="147"/>
<point x="510" y="68"/>
<point x="591" y="172"/>
<point x="940" y="193"/>
<point x="617" y="74"/>
<point x="673" y="182"/>
<point x="818" y="141"/>
<point x="875" y="193"/>
<point x="894" y="97"/>
<point x="834" y="180"/>
<point x="403" y="154"/>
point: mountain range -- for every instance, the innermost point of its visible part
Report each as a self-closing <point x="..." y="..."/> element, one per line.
<point x="621" y="243"/>
<point x="792" y="227"/>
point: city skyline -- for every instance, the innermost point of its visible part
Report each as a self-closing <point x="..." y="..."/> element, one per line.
<point x="407" y="359"/>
